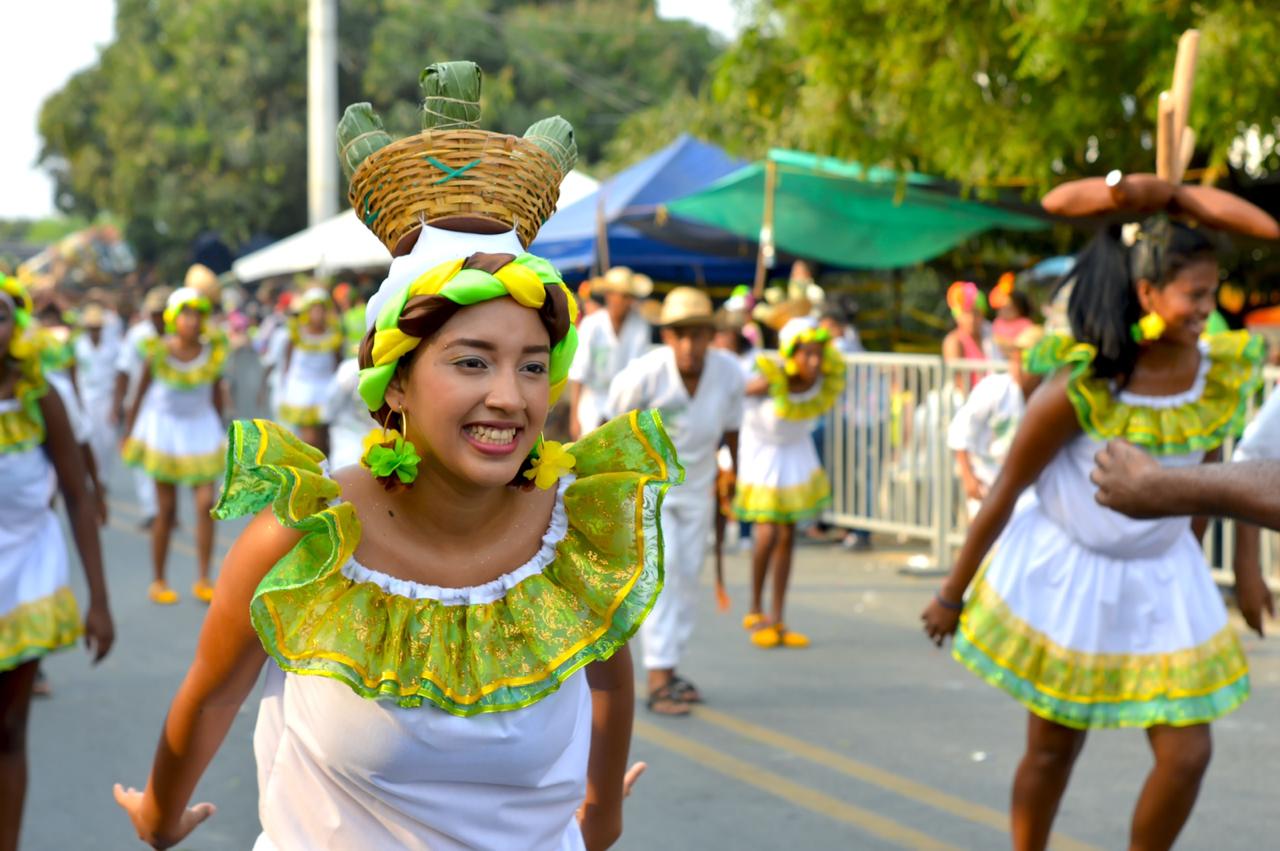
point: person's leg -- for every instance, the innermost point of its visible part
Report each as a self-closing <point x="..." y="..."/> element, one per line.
<point x="766" y="536"/>
<point x="1182" y="756"/>
<point x="161" y="530"/>
<point x="145" y="488"/>
<point x="15" y="703"/>
<point x="695" y="522"/>
<point x="658" y="633"/>
<point x="203" y="498"/>
<point x="1041" y="779"/>
<point x="783" y="550"/>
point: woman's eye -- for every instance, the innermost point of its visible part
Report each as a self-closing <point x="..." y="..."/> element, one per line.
<point x="536" y="368"/>
<point x="470" y="363"/>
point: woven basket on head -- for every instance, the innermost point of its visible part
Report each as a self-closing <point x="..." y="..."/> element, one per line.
<point x="471" y="178"/>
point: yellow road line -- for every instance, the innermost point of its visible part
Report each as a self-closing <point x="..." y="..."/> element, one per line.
<point x="895" y="783"/>
<point x="790" y="791"/>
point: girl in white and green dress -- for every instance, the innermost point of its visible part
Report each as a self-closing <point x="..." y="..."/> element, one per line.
<point x="38" y="613"/>
<point x="780" y="479"/>
<point x="174" y="431"/>
<point x="310" y="361"/>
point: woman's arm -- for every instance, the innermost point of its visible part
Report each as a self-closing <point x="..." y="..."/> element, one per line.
<point x="63" y="452"/>
<point x="613" y="698"/>
<point x="1049" y="423"/>
<point x="226" y="666"/>
<point x="757" y="385"/>
<point x="219" y="389"/>
<point x="144" y="384"/>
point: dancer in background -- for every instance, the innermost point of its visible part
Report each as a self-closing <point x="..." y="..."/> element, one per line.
<point x="174" y="431"/>
<point x="96" y="353"/>
<point x="310" y="361"/>
<point x="38" y="612"/>
<point x="611" y="339"/>
<point x="780" y="481"/>
<point x="1086" y="617"/>
<point x="698" y="391"/>
<point x="130" y="363"/>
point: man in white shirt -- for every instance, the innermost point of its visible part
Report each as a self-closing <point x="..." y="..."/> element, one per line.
<point x="96" y="353"/>
<point x="130" y="360"/>
<point x="699" y="393"/>
<point x="608" y="340"/>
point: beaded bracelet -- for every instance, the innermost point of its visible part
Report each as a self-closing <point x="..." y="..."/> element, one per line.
<point x="947" y="604"/>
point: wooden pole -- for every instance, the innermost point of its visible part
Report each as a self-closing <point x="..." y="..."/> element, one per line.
<point x="766" y="242"/>
<point x="1184" y="75"/>
<point x="1164" y="137"/>
<point x="602" y="233"/>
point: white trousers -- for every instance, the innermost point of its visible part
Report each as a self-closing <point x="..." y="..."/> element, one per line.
<point x="146" y="490"/>
<point x="686" y="523"/>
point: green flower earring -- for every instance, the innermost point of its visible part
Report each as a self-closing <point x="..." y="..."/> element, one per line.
<point x="390" y="456"/>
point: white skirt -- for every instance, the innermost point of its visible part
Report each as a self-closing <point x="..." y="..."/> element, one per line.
<point x="1090" y="640"/>
<point x="178" y="437"/>
<point x="779" y="482"/>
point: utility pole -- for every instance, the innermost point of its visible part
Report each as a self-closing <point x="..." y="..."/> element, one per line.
<point x="322" y="110"/>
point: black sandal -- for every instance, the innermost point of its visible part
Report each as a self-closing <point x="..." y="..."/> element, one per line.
<point x="665" y="701"/>
<point x="684" y="690"/>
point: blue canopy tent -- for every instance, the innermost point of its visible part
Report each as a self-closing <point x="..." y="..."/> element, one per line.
<point x="570" y="238"/>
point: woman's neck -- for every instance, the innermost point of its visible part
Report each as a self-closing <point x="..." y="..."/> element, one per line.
<point x="443" y="508"/>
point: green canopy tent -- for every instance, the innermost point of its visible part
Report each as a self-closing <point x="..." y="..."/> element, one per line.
<point x="839" y="212"/>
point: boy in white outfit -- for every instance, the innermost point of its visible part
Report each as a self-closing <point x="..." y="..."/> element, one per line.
<point x="699" y="393"/>
<point x="608" y="340"/>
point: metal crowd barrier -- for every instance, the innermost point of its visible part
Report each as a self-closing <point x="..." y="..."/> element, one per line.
<point x="884" y="446"/>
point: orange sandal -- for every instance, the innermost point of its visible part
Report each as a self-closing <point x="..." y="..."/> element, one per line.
<point x="752" y="620"/>
<point x="766" y="637"/>
<point x="161" y="594"/>
<point x="202" y="591"/>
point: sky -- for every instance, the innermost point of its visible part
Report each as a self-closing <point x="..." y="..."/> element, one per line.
<point x="49" y="40"/>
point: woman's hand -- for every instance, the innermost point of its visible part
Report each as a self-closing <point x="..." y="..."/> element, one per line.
<point x="974" y="489"/>
<point x="1254" y="598"/>
<point x="602" y="826"/>
<point x="146" y="820"/>
<point x="939" y="621"/>
<point x="99" y="631"/>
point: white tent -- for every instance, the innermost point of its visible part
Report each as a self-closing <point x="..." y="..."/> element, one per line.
<point x="344" y="243"/>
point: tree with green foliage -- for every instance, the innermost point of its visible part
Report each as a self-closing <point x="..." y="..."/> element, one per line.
<point x="194" y="118"/>
<point x="1000" y="92"/>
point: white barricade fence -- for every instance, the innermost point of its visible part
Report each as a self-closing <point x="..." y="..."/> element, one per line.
<point x="884" y="446"/>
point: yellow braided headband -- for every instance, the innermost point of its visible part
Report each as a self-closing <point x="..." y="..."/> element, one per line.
<point x="181" y="299"/>
<point x="19" y="343"/>
<point x="524" y="279"/>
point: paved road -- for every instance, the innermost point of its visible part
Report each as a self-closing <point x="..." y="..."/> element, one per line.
<point x="868" y="740"/>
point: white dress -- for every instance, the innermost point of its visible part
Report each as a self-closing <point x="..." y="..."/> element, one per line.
<point x="308" y="380"/>
<point x="178" y="436"/>
<point x="601" y="355"/>
<point x="37" y="610"/>
<point x="1093" y="619"/>
<point x="780" y="478"/>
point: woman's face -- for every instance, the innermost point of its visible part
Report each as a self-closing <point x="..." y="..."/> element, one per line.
<point x="316" y="315"/>
<point x="7" y="326"/>
<point x="808" y="361"/>
<point x="187" y="324"/>
<point x="1185" y="302"/>
<point x="477" y="392"/>
<point x="968" y="321"/>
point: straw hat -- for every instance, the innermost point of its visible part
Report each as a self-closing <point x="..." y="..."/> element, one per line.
<point x="620" y="279"/>
<point x="779" y="314"/>
<point x="202" y="279"/>
<point x="686" y="306"/>
<point x="92" y="316"/>
<point x="155" y="299"/>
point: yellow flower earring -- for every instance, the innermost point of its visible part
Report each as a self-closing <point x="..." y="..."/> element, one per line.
<point x="551" y="461"/>
<point x="390" y="456"/>
<point x="1148" y="329"/>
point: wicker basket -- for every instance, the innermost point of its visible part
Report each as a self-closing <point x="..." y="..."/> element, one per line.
<point x="491" y="182"/>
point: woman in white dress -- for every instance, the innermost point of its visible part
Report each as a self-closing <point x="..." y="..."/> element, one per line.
<point x="310" y="361"/>
<point x="38" y="612"/>
<point x="426" y="617"/>
<point x="1088" y="618"/>
<point x="175" y="431"/>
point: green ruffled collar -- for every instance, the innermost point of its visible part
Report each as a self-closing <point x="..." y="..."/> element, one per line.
<point x="510" y="642"/>
<point x="21" y="422"/>
<point x="206" y="368"/>
<point x="1198" y="420"/>
<point x="812" y="403"/>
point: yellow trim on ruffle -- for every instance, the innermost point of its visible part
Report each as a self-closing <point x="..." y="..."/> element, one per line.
<point x="173" y="469"/>
<point x="1234" y="374"/>
<point x="765" y="504"/>
<point x="332" y="340"/>
<point x="23" y="427"/>
<point x="832" y="380"/>
<point x="1080" y="677"/>
<point x="163" y="369"/>
<point x="302" y="415"/>
<point x="37" y="627"/>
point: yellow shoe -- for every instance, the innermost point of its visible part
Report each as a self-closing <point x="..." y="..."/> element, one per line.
<point x="161" y="594"/>
<point x="793" y="639"/>
<point x="766" y="637"/>
<point x="751" y="620"/>
<point x="202" y="590"/>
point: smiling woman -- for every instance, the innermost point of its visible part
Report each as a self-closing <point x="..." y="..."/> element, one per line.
<point x="429" y="613"/>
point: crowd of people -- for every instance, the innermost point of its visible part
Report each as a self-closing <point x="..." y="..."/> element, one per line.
<point x="428" y="567"/>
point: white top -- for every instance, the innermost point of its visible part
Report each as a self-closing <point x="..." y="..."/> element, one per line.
<point x="1262" y="436"/>
<point x="696" y="425"/>
<point x="96" y="368"/>
<point x="761" y="422"/>
<point x="60" y="381"/>
<point x="601" y="355"/>
<point x="986" y="423"/>
<point x="348" y="418"/>
<point x="338" y="771"/>
<point x="131" y="357"/>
